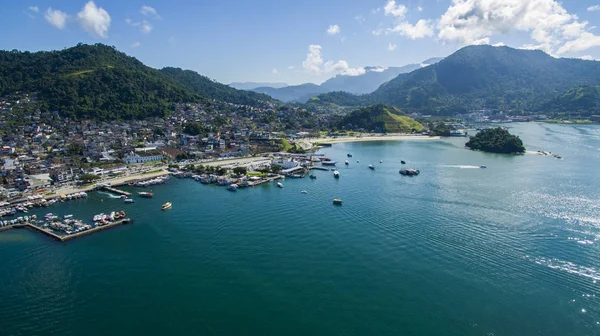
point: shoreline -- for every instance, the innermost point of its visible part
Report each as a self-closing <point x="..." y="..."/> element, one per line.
<point x="370" y="137"/>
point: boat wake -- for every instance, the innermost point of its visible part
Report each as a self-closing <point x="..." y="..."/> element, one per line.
<point x="462" y="166"/>
<point x="567" y="266"/>
<point x="108" y="194"/>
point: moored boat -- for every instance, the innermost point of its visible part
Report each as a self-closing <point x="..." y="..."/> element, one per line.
<point x="409" y="172"/>
<point x="349" y="155"/>
<point x="280" y="185"/>
<point x="146" y="194"/>
<point x="167" y="206"/>
<point x="371" y="167"/>
<point x="336" y="174"/>
<point x="346" y="162"/>
<point x="403" y="162"/>
<point x="232" y="187"/>
<point x="337" y="201"/>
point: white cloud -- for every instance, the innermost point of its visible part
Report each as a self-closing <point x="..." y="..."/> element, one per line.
<point x="377" y="69"/>
<point x="315" y="65"/>
<point x="392" y="9"/>
<point x="550" y="25"/>
<point x="135" y="44"/>
<point x="420" y="9"/>
<point x="587" y="58"/>
<point x="594" y="8"/>
<point x="291" y="67"/>
<point x="35" y="9"/>
<point x="499" y="44"/>
<point x="56" y="18"/>
<point x="333" y="30"/>
<point x="145" y="27"/>
<point x="149" y="12"/>
<point x="421" y="29"/>
<point x="95" y="20"/>
<point x="391" y="46"/>
<point x="275" y="72"/>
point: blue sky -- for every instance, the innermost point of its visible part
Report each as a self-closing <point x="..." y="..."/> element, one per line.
<point x="299" y="41"/>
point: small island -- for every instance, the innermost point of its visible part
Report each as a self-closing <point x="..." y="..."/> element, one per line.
<point x="496" y="140"/>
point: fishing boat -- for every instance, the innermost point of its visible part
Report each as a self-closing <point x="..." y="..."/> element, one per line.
<point x="146" y="194"/>
<point x="167" y="206"/>
<point x="346" y="162"/>
<point x="280" y="185"/>
<point x="313" y="176"/>
<point x="403" y="162"/>
<point x="371" y="167"/>
<point x="232" y="187"/>
<point x="337" y="201"/>
<point x="129" y="200"/>
<point x="409" y="172"/>
<point x="336" y="174"/>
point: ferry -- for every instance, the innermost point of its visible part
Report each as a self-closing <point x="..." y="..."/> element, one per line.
<point x="337" y="201"/>
<point x="232" y="187"/>
<point x="371" y="167"/>
<point x="336" y="174"/>
<point x="409" y="172"/>
<point x="146" y="194"/>
<point x="167" y="206"/>
<point x="328" y="163"/>
<point x="279" y="184"/>
<point x="346" y="163"/>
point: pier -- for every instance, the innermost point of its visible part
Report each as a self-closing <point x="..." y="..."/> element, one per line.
<point x="66" y="237"/>
<point x="116" y="191"/>
<point x="265" y="180"/>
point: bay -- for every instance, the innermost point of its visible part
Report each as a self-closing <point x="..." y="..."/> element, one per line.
<point x="458" y="250"/>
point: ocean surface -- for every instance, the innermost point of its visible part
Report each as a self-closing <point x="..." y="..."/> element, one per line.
<point x="458" y="250"/>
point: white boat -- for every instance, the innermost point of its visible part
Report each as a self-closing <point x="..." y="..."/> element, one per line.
<point x="371" y="167"/>
<point x="346" y="162"/>
<point x="232" y="187"/>
<point x="336" y="174"/>
<point x="68" y="216"/>
<point x="304" y="192"/>
<point x="129" y="200"/>
<point x="380" y="161"/>
<point x="279" y="184"/>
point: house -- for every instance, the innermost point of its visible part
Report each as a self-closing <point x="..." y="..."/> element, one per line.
<point x="144" y="157"/>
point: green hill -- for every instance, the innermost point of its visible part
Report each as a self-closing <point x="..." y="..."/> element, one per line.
<point x="582" y="99"/>
<point x="379" y="118"/>
<point x="478" y="77"/>
<point x="99" y="82"/>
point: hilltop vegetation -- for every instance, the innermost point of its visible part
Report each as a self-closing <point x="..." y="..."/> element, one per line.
<point x="379" y="118"/>
<point x="478" y="77"/>
<point x="99" y="82"/>
<point x="583" y="99"/>
<point x="496" y="140"/>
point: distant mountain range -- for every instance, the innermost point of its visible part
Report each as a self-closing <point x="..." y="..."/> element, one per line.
<point x="366" y="83"/>
<point x="99" y="82"/>
<point x="477" y="77"/>
<point x="254" y="85"/>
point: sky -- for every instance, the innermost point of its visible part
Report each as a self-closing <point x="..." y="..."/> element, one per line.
<point x="299" y="41"/>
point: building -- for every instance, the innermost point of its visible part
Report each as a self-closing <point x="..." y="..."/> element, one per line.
<point x="144" y="157"/>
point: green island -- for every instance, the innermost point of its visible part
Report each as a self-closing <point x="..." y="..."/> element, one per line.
<point x="496" y="140"/>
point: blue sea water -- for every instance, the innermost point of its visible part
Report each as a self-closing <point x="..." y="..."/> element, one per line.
<point x="458" y="250"/>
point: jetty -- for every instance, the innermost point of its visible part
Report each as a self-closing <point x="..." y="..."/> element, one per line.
<point x="265" y="180"/>
<point x="115" y="190"/>
<point x="66" y="237"/>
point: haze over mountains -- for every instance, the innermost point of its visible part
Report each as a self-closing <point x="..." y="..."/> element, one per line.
<point x="366" y="83"/>
<point x="477" y="77"/>
<point x="254" y="85"/>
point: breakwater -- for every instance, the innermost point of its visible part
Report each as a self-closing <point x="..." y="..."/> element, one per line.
<point x="66" y="237"/>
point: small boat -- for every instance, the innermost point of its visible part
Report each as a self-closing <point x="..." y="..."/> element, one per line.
<point x="280" y="185"/>
<point x="167" y="206"/>
<point x="123" y="196"/>
<point x="346" y="163"/>
<point x="232" y="187"/>
<point x="357" y="161"/>
<point x="380" y="161"/>
<point x="349" y="155"/>
<point x="146" y="194"/>
<point x="337" y="201"/>
<point x="129" y="200"/>
<point x="371" y="167"/>
<point x="482" y="166"/>
<point x="68" y="216"/>
<point x="409" y="172"/>
<point x="304" y="192"/>
<point x="328" y="163"/>
<point x="336" y="174"/>
<point x="403" y="162"/>
<point x="313" y="176"/>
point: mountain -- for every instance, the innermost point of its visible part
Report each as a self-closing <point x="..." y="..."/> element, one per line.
<point x="206" y="87"/>
<point x="379" y="118"/>
<point x="478" y="77"/>
<point x="254" y="85"/>
<point x="583" y="99"/>
<point x="294" y="93"/>
<point x="99" y="82"/>
<point x="366" y="83"/>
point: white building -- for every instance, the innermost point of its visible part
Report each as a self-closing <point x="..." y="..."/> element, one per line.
<point x="285" y="163"/>
<point x="141" y="158"/>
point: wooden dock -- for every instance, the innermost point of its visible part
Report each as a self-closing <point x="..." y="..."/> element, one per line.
<point x="66" y="237"/>
<point x="116" y="191"/>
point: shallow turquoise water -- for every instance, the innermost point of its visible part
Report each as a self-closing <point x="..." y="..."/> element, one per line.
<point x="507" y="250"/>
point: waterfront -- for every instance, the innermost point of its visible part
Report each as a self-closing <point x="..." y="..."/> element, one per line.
<point x="458" y="250"/>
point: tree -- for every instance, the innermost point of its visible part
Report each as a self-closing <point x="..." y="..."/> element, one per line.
<point x="221" y="171"/>
<point x="89" y="177"/>
<point x="240" y="170"/>
<point x="194" y="128"/>
<point x="74" y="148"/>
